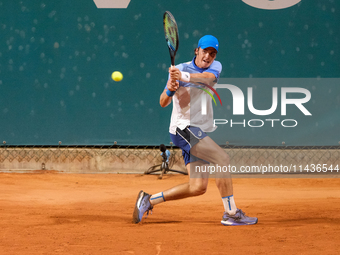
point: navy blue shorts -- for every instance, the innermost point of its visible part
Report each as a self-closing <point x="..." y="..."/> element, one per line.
<point x="186" y="139"/>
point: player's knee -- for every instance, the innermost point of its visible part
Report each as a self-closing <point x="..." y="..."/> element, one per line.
<point x="198" y="190"/>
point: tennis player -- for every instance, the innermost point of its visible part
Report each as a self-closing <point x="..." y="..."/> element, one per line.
<point x="188" y="129"/>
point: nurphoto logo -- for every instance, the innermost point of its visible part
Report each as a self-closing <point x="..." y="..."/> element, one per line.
<point x="304" y="96"/>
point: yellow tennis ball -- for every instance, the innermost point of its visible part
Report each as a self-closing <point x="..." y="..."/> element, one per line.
<point x="117" y="76"/>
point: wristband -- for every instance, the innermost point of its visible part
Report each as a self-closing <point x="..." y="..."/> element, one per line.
<point x="170" y="93"/>
<point x="185" y="76"/>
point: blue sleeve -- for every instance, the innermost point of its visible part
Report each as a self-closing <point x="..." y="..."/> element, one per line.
<point x="180" y="67"/>
<point x="215" y="68"/>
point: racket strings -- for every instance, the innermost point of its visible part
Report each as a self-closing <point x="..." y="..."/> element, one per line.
<point x="170" y="32"/>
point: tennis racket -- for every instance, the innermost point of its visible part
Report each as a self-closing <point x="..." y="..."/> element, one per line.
<point x="171" y="34"/>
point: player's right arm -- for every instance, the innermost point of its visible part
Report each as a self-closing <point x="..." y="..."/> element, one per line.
<point x="165" y="99"/>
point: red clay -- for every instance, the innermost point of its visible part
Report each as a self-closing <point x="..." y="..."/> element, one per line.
<point x="53" y="213"/>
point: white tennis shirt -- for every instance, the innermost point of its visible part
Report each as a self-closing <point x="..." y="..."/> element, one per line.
<point x="187" y="101"/>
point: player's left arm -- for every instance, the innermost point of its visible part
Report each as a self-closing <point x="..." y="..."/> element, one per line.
<point x="205" y="77"/>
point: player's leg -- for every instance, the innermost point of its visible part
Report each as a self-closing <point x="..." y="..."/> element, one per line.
<point x="208" y="150"/>
<point x="197" y="184"/>
<point x="194" y="187"/>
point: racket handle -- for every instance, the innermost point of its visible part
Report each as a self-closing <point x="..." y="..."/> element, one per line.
<point x="172" y="60"/>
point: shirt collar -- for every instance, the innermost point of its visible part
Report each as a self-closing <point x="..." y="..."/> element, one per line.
<point x="196" y="67"/>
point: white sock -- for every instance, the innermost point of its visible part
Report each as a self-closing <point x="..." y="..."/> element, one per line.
<point x="157" y="198"/>
<point x="229" y="204"/>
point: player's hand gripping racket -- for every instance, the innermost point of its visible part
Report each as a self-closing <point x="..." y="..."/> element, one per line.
<point x="171" y="35"/>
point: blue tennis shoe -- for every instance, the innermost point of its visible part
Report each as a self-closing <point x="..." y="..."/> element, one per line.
<point x="238" y="219"/>
<point x="142" y="205"/>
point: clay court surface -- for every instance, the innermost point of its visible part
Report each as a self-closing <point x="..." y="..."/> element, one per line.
<point x="56" y="213"/>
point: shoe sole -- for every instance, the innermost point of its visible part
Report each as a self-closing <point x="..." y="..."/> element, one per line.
<point x="135" y="216"/>
<point x="226" y="223"/>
